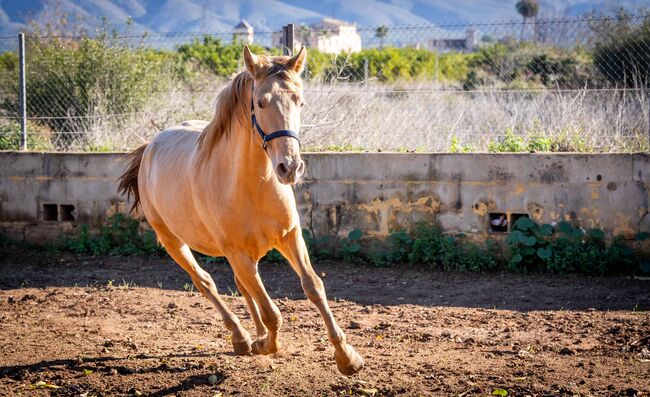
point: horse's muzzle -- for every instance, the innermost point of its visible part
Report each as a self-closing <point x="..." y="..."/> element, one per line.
<point x="290" y="172"/>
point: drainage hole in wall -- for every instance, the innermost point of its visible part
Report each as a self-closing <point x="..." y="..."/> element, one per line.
<point x="50" y="212"/>
<point x="68" y="213"/>
<point x="498" y="222"/>
<point x="514" y="218"/>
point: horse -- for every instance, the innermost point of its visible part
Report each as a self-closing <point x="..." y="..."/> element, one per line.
<point x="224" y="189"/>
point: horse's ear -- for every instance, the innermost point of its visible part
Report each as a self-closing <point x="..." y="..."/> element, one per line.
<point x="297" y="63"/>
<point x="252" y="62"/>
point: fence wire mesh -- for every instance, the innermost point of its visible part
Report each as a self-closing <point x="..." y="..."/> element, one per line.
<point x="543" y="85"/>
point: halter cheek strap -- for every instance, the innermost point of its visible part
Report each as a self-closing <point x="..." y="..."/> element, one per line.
<point x="269" y="137"/>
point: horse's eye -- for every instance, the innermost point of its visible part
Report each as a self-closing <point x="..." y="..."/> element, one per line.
<point x="260" y="104"/>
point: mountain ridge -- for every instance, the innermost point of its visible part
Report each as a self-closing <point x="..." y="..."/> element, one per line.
<point x="176" y="16"/>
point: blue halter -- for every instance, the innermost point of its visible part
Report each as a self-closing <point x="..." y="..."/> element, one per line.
<point x="269" y="137"/>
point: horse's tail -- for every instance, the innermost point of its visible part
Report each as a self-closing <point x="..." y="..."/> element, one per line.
<point x="128" y="182"/>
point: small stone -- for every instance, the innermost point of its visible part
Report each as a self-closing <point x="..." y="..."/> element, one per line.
<point x="354" y="325"/>
<point x="566" y="352"/>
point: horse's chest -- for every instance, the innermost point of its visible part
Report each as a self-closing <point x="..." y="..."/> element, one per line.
<point x="254" y="221"/>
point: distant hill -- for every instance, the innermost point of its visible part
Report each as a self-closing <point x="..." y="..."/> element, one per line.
<point x="173" y="16"/>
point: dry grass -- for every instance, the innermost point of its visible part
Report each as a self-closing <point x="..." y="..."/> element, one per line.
<point x="422" y="117"/>
<point x="427" y="118"/>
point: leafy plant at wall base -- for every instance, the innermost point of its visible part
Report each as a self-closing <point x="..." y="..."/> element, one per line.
<point x="510" y="143"/>
<point x="120" y="235"/>
<point x="565" y="249"/>
<point x="456" y="146"/>
<point x="351" y="247"/>
<point x="438" y="251"/>
<point x="395" y="249"/>
<point x="320" y="248"/>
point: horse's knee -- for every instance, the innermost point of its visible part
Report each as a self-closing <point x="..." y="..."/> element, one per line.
<point x="313" y="287"/>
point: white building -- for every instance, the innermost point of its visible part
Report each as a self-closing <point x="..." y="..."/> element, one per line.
<point x="329" y="35"/>
<point x="243" y="32"/>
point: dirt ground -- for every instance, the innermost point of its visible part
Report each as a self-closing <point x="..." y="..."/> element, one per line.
<point x="82" y="326"/>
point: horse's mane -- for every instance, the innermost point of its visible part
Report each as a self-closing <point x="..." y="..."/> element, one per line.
<point x="234" y="101"/>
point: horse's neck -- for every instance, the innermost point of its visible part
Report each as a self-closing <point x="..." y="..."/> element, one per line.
<point x="241" y="154"/>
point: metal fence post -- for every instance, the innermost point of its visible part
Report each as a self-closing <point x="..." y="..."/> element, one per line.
<point x="285" y="40"/>
<point x="647" y="99"/>
<point x="290" y="39"/>
<point x="23" y="92"/>
<point x="365" y="71"/>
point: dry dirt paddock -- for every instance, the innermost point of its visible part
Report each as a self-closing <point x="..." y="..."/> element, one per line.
<point x="66" y="329"/>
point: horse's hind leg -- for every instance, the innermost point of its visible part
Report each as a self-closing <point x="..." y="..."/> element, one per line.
<point x="181" y="253"/>
<point x="293" y="248"/>
<point x="252" y="309"/>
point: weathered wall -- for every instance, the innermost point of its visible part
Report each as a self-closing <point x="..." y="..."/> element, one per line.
<point x="376" y="192"/>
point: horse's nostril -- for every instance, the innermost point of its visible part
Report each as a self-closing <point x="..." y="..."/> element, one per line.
<point x="282" y="169"/>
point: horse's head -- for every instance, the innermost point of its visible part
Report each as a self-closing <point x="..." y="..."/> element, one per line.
<point x="276" y="102"/>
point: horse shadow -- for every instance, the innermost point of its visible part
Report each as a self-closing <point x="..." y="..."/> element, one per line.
<point x="359" y="283"/>
<point x="108" y="365"/>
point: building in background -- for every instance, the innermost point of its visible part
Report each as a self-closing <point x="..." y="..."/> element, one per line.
<point x="329" y="35"/>
<point x="466" y="43"/>
<point x="243" y="32"/>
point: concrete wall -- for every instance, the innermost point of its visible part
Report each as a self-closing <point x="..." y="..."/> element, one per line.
<point x="376" y="192"/>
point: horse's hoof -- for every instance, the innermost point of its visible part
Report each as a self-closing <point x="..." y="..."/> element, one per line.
<point x="242" y="348"/>
<point x="348" y="361"/>
<point x="263" y="346"/>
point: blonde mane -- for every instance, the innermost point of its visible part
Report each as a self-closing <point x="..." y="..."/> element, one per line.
<point x="234" y="101"/>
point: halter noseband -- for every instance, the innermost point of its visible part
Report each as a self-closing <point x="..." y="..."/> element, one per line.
<point x="269" y="137"/>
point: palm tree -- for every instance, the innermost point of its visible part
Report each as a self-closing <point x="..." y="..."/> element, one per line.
<point x="527" y="9"/>
<point x="381" y="33"/>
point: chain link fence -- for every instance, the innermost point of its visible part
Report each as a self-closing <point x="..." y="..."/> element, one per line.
<point x="543" y="85"/>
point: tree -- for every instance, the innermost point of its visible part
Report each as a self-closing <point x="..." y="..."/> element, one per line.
<point x="527" y="9"/>
<point x="303" y="35"/>
<point x="381" y="33"/>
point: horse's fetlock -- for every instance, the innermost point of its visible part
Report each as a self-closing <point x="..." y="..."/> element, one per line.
<point x="338" y="338"/>
<point x="272" y="322"/>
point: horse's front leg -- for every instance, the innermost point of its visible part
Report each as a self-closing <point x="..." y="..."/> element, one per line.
<point x="293" y="247"/>
<point x="245" y="269"/>
<point x="182" y="254"/>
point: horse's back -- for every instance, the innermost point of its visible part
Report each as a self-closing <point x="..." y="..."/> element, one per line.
<point x="181" y="137"/>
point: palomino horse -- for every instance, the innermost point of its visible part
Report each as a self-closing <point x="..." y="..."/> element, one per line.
<point x="224" y="189"/>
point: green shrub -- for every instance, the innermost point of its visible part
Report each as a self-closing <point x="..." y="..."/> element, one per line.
<point x="394" y="250"/>
<point x="71" y="79"/>
<point x="219" y="58"/>
<point x="621" y="52"/>
<point x="565" y="249"/>
<point x="537" y="142"/>
<point x="456" y="147"/>
<point x="10" y="137"/>
<point x="120" y="235"/>
<point x="350" y="247"/>
<point x="510" y="143"/>
<point x="388" y="64"/>
<point x="519" y="65"/>
<point x="434" y="249"/>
